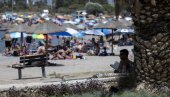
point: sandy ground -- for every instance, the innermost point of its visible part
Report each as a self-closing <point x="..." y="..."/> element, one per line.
<point x="70" y="69"/>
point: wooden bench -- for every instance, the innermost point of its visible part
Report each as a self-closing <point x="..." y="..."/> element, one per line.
<point x="32" y="61"/>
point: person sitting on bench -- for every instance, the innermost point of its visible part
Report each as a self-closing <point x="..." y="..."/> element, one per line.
<point x="125" y="65"/>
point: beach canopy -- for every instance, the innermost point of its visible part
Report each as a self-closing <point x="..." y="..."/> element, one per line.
<point x="20" y="28"/>
<point x="70" y="26"/>
<point x="46" y="28"/>
<point x="118" y="24"/>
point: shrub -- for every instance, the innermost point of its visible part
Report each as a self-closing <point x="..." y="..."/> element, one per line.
<point x="94" y="8"/>
<point x="62" y="10"/>
<point x="109" y="8"/>
<point x="62" y="90"/>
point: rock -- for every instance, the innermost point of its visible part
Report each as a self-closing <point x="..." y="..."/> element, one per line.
<point x="140" y="86"/>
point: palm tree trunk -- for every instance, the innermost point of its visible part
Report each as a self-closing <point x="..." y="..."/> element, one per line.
<point x="152" y="43"/>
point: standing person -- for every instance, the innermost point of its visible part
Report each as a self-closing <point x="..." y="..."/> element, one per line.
<point x="101" y="41"/>
<point x="97" y="49"/>
<point x="125" y="66"/>
<point x="55" y="42"/>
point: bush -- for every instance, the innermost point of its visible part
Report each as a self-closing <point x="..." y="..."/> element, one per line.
<point x="94" y="8"/>
<point x="62" y="10"/>
<point x="75" y="7"/>
<point x="122" y="94"/>
<point x="109" y="8"/>
<point x="62" y="90"/>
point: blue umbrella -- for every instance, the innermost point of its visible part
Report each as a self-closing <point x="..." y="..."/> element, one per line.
<point x="79" y="35"/>
<point x="105" y="31"/>
<point x="61" y="34"/>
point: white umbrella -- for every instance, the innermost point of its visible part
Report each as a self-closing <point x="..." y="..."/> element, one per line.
<point x="72" y="31"/>
<point x="69" y="22"/>
<point x="17" y="35"/>
<point x="94" y="32"/>
<point x="124" y="30"/>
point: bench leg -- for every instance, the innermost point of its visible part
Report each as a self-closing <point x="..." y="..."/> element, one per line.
<point x="19" y="73"/>
<point x="43" y="71"/>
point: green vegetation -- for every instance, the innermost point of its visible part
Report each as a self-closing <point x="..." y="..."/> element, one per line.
<point x="60" y="6"/>
<point x="94" y="8"/>
<point x="121" y="94"/>
<point x="109" y="8"/>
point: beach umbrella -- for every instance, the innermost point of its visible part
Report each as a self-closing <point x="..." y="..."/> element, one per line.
<point x="118" y="24"/>
<point x="81" y="26"/>
<point x="40" y="36"/>
<point x="72" y="31"/>
<point x="19" y="28"/>
<point x="108" y="25"/>
<point x="69" y="22"/>
<point x="105" y="31"/>
<point x="17" y="35"/>
<point x="124" y="31"/>
<point x="47" y="28"/>
<point x="5" y="26"/>
<point x="94" y="32"/>
<point x="61" y="34"/>
<point x="68" y="32"/>
<point x="113" y="25"/>
<point x="68" y="25"/>
<point x="34" y="36"/>
<point x="79" y="35"/>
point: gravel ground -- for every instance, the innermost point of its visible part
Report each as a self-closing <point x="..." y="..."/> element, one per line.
<point x="70" y="69"/>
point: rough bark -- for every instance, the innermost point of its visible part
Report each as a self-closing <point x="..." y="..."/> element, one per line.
<point x="152" y="42"/>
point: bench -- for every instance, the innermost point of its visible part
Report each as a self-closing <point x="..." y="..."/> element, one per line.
<point x="31" y="61"/>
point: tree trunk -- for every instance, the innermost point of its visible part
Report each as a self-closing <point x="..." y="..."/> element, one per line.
<point x="152" y="43"/>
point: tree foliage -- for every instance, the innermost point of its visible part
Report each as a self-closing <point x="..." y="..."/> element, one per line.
<point x="67" y="6"/>
<point x="94" y="8"/>
<point x="109" y="8"/>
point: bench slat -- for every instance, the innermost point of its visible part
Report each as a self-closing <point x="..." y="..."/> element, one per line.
<point x="33" y="60"/>
<point x="30" y="57"/>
